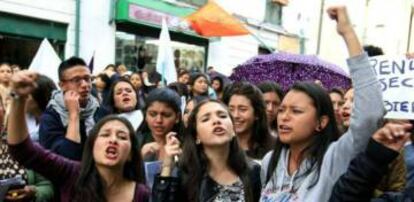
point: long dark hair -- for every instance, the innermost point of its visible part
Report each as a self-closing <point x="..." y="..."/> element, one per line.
<point x="90" y="186"/>
<point x="194" y="162"/>
<point x="320" y="140"/>
<point x="260" y="140"/>
<point x="110" y="104"/>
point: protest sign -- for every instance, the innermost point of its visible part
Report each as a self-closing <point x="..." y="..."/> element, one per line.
<point x="396" y="77"/>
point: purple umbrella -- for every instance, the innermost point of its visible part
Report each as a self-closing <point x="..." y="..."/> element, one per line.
<point x="287" y="68"/>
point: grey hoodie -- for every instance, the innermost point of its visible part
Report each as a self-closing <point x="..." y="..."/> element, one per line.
<point x="366" y="118"/>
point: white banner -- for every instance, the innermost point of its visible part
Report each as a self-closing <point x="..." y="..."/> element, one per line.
<point x="396" y="76"/>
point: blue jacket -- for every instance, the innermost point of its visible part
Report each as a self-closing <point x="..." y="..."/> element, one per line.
<point x="52" y="136"/>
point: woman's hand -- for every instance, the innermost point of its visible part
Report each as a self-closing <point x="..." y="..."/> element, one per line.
<point x="393" y="135"/>
<point x="172" y="150"/>
<point x="344" y="28"/>
<point x="23" y="83"/>
<point x="340" y="15"/>
<point x="149" y="149"/>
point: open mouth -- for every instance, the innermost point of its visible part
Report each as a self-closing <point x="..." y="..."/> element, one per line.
<point x="346" y="115"/>
<point x="219" y="131"/>
<point x="284" y="129"/>
<point x="111" y="152"/>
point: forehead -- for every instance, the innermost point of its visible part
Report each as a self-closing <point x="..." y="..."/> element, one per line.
<point x="114" y="124"/>
<point x="297" y="98"/>
<point x="5" y="67"/>
<point x="270" y="96"/>
<point x="201" y="78"/>
<point x="135" y="76"/>
<point x="335" y="96"/>
<point x="160" y="107"/>
<point x="122" y="84"/>
<point x="211" y="107"/>
<point x="236" y="100"/>
<point x="77" y="70"/>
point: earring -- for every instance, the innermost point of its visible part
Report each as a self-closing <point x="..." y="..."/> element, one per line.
<point x="198" y="141"/>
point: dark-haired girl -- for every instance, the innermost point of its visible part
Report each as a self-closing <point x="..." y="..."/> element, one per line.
<point x="247" y="107"/>
<point x="123" y="101"/>
<point x="308" y="157"/>
<point x="110" y="165"/>
<point x="212" y="166"/>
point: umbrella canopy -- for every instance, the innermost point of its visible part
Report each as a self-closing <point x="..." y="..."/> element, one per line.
<point x="287" y="68"/>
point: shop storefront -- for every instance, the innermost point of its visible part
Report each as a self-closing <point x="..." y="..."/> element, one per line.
<point x="138" y="24"/>
<point x="20" y="37"/>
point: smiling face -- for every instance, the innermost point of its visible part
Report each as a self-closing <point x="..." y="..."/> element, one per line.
<point x="125" y="98"/>
<point x="243" y="113"/>
<point x="214" y="125"/>
<point x="112" y="146"/>
<point x="161" y="119"/>
<point x="296" y="119"/>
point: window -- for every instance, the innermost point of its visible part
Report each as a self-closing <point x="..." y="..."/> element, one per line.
<point x="195" y="2"/>
<point x="273" y="13"/>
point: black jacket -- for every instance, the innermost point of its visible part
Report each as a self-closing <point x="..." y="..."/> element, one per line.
<point x="363" y="175"/>
<point x="170" y="189"/>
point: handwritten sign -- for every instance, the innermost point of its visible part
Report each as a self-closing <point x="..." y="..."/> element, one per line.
<point x="396" y="76"/>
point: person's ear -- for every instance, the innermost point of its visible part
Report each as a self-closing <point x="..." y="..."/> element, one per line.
<point x="323" y="122"/>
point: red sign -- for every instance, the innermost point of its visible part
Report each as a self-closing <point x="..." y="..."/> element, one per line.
<point x="144" y="14"/>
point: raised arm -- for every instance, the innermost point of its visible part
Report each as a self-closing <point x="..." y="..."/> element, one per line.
<point x="368" y="107"/>
<point x="22" y="84"/>
<point x="32" y="156"/>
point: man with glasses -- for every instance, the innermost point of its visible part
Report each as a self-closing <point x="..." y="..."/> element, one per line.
<point x="70" y="113"/>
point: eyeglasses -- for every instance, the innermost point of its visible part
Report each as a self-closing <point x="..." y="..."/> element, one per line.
<point x="78" y="80"/>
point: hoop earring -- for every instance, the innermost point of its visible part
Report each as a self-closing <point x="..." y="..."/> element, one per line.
<point x="198" y="141"/>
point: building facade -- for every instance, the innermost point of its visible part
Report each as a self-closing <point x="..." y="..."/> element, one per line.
<point x="126" y="31"/>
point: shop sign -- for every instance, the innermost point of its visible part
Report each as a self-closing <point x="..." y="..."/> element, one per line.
<point x="152" y="16"/>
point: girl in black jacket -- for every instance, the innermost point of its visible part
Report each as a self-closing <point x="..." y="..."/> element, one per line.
<point x="212" y="166"/>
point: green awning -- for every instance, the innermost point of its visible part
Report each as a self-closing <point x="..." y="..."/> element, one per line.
<point x="32" y="27"/>
<point x="142" y="27"/>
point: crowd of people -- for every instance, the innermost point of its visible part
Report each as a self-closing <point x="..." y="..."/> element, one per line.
<point x="118" y="136"/>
